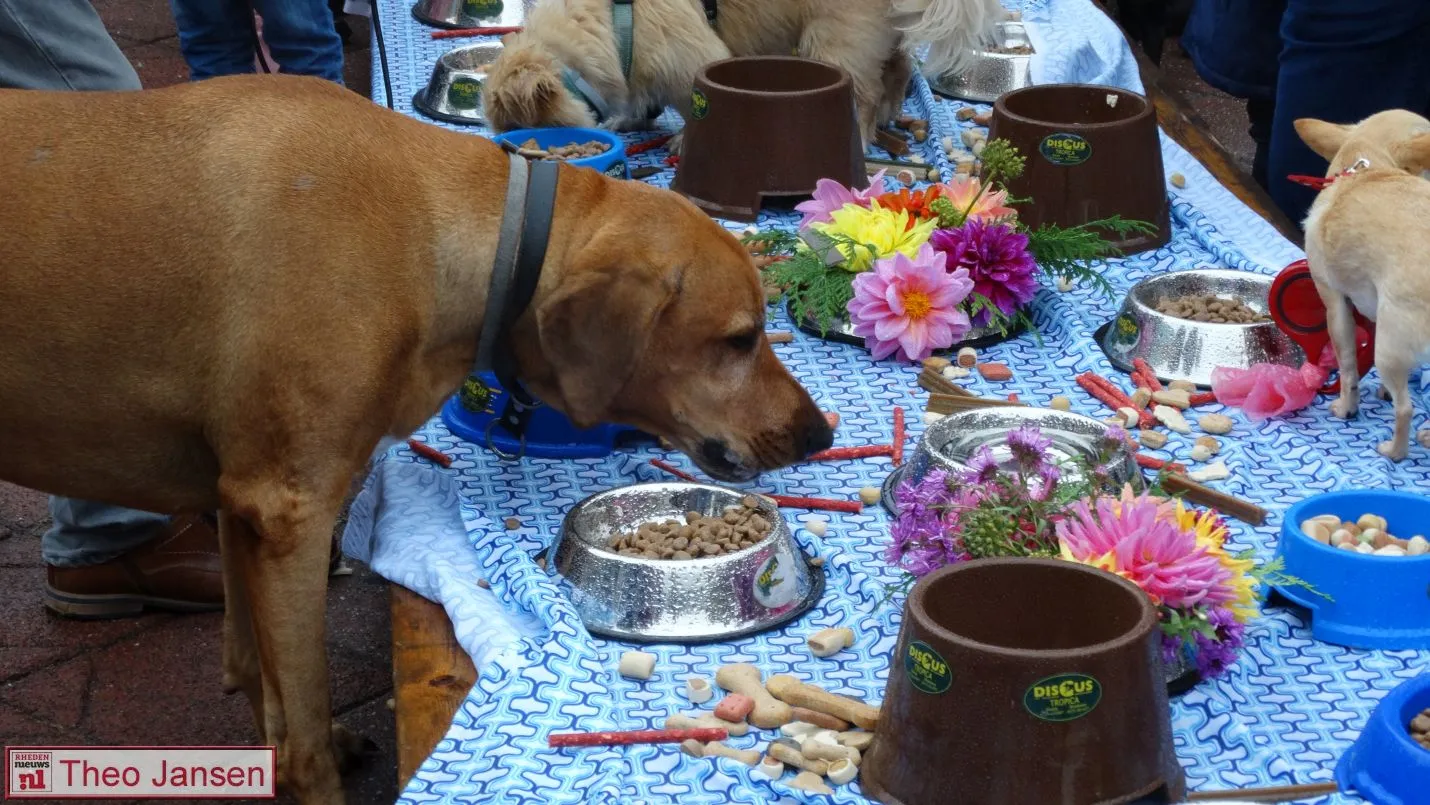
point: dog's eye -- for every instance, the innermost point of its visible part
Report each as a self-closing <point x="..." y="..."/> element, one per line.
<point x="743" y="342"/>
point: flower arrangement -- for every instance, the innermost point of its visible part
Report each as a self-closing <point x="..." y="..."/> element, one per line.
<point x="970" y="222"/>
<point x="1028" y="505"/>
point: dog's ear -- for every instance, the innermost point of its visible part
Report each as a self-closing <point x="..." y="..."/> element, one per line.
<point x="1413" y="155"/>
<point x="1324" y="138"/>
<point x="594" y="331"/>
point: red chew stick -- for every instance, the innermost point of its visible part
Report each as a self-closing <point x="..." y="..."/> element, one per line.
<point x="866" y="451"/>
<point x="899" y="435"/>
<point x="1091" y="387"/>
<point x="494" y="30"/>
<point x="679" y="473"/>
<point x="790" y="502"/>
<point x="673" y="160"/>
<point x="702" y="734"/>
<point x="1148" y="376"/>
<point x="1203" y="397"/>
<point x="1158" y="464"/>
<point x="429" y="452"/>
<point x="1145" y="417"/>
<point x="654" y="142"/>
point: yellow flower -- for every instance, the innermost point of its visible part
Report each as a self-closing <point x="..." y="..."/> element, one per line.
<point x="875" y="233"/>
<point x="1211" y="535"/>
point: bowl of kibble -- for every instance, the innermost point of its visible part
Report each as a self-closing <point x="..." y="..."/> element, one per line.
<point x="682" y="563"/>
<point x="453" y="93"/>
<point x="992" y="71"/>
<point x="1185" y="324"/>
<point x="1365" y="557"/>
<point x="1389" y="764"/>
<point x="587" y="148"/>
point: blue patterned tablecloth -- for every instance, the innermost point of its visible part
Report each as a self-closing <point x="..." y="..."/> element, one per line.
<point x="1283" y="715"/>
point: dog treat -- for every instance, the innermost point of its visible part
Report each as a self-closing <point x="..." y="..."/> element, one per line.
<point x="484" y="584"/>
<point x="938" y="384"/>
<point x="1172" y="418"/>
<point x="1176" y="398"/>
<point x="933" y="175"/>
<point x="1369" y="534"/>
<point x="818" y="720"/>
<point x="950" y="403"/>
<point x="707" y="721"/>
<point x="794" y="502"/>
<point x="1208" y="308"/>
<point x="1212" y="472"/>
<point x="978" y="146"/>
<point x="1419" y="729"/>
<point x="1390" y="550"/>
<point x="734" y="707"/>
<point x="1210" y="443"/>
<point x="1182" y="385"/>
<point x="906" y="177"/>
<point x="1361" y="547"/>
<point x="533" y="150"/>
<point x="869" y="495"/>
<point x="1372" y="521"/>
<point x="698" y="690"/>
<point x="809" y="781"/>
<point x="857" y="739"/>
<point x="429" y="452"/>
<point x="968" y="357"/>
<point x="816" y="561"/>
<point x="511" y="523"/>
<point x="1140" y="367"/>
<point x="769" y="712"/>
<point x="1178" y="180"/>
<point x="692" y="747"/>
<point x="891" y="142"/>
<point x="1130" y="416"/>
<point x="636" y="665"/>
<point x="900" y="436"/>
<point x="790" y="756"/>
<point x="842" y="771"/>
<point x="799" y="694"/>
<point x="955" y="372"/>
<point x="844" y="453"/>
<point x="1152" y="439"/>
<point x="983" y="118"/>
<point x="770" y="769"/>
<point x="1141" y="397"/>
<point x="817" y="526"/>
<point x="1203" y="398"/>
<point x="965" y="113"/>
<point x="1060" y="403"/>
<point x="749" y="757"/>
<point x="677" y="472"/>
<point x="920" y="135"/>
<point x="738" y="528"/>
<point x="1215" y="423"/>
<point x="1417" y="546"/>
<point x="1201" y="453"/>
<point x="996" y="372"/>
<point x="937" y="363"/>
<point x="799" y="727"/>
<point x="828" y="642"/>
<point x="779" y="336"/>
<point x="666" y="736"/>
<point x="917" y="160"/>
<point x="1157" y="464"/>
<point x="825" y="745"/>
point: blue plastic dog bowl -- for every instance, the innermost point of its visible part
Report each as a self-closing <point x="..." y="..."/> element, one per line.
<point x="472" y="412"/>
<point x="612" y="163"/>
<point x="1377" y="602"/>
<point x="1384" y="765"/>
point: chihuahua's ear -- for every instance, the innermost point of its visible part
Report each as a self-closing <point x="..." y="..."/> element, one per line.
<point x="1324" y="138"/>
<point x="1413" y="155"/>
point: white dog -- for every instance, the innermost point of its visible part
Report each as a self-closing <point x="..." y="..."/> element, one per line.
<point x="1368" y="245"/>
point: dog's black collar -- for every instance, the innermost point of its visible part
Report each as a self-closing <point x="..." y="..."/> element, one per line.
<point x="521" y="250"/>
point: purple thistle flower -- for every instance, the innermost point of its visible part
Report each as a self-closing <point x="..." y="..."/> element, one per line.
<point x="998" y="262"/>
<point x="1029" y="447"/>
<point x="982" y="468"/>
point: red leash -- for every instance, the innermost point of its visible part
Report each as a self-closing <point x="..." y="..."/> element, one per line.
<point x="1322" y="182"/>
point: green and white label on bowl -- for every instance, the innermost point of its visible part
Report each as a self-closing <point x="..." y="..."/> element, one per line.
<point x="1065" y="149"/>
<point x="617" y="169"/>
<point x="482" y="8"/>
<point x="927" y="670"/>
<point x="775" y="584"/>
<point x="699" y="105"/>
<point x="1064" y="697"/>
<point x="464" y="93"/>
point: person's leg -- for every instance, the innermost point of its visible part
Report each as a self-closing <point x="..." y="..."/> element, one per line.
<point x="59" y="45"/>
<point x="1342" y="62"/>
<point x="1260" y="112"/>
<point x="303" y="37"/>
<point x="88" y="533"/>
<point x="215" y="36"/>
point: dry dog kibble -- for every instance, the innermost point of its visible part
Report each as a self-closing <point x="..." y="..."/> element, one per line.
<point x="737" y="528"/>
<point x="1060" y="404"/>
<point x="1368" y="534"/>
<point x="533" y="150"/>
<point x="1178" y="180"/>
<point x="512" y="523"/>
<point x="1215" y="423"/>
<point x="869" y="495"/>
<point x="1420" y="728"/>
<point x="1210" y="309"/>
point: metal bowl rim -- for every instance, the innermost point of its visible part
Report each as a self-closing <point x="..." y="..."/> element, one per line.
<point x="1227" y="273"/>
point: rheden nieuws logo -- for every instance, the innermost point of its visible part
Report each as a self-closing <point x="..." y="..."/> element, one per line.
<point x="158" y="772"/>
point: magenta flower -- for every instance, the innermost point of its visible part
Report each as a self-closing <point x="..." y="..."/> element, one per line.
<point x="910" y="306"/>
<point x="1132" y="539"/>
<point x="998" y="261"/>
<point x="830" y="195"/>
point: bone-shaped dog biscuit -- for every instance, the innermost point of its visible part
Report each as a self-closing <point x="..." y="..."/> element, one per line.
<point x="818" y="750"/>
<point x="790" y="756"/>
<point x="749" y="757"/>
<point x="809" y="781"/>
<point x="679" y="722"/>
<point x="791" y="690"/>
<point x="769" y="713"/>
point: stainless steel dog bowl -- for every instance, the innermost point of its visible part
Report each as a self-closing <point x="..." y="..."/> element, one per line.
<point x="952" y="441"/>
<point x="992" y="72"/>
<point x="452" y="14"/>
<point x="1181" y="349"/>
<point x="454" y="92"/>
<point x="679" y="601"/>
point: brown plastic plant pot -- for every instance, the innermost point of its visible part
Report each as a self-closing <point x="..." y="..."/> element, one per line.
<point x="767" y="127"/>
<point x="1092" y="152"/>
<point x="1025" y="682"/>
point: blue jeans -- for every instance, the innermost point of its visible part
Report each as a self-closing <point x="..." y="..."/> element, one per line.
<point x="62" y="45"/>
<point x="217" y="37"/>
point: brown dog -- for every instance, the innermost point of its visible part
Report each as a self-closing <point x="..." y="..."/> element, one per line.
<point x="222" y="295"/>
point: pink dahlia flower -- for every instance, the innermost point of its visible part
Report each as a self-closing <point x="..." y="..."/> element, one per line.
<point x="991" y="206"/>
<point x="998" y="261"/>
<point x="830" y="195"/>
<point x="910" y="305"/>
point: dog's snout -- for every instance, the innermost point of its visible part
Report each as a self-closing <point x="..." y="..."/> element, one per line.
<point x="714" y="452"/>
<point x="818" y="435"/>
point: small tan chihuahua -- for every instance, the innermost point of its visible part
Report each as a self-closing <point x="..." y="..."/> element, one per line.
<point x="1368" y="245"/>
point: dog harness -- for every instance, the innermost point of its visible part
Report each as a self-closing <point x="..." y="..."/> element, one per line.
<point x="521" y="249"/>
<point x="1322" y="182"/>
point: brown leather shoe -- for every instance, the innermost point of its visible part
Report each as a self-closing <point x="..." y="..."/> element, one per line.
<point x="177" y="571"/>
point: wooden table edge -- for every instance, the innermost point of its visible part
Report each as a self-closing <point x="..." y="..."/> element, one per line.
<point x="432" y="674"/>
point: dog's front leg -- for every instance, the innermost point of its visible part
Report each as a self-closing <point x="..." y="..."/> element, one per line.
<point x="1341" y="325"/>
<point x="279" y="540"/>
